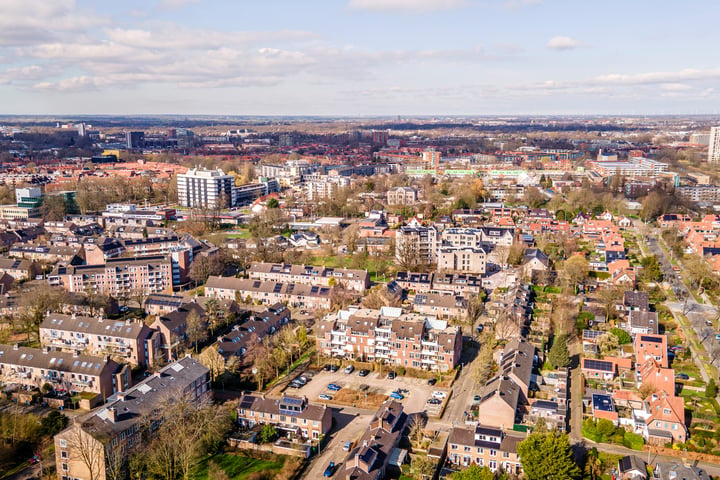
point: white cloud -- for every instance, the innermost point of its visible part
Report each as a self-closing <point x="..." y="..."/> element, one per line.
<point x="563" y="43"/>
<point x="412" y="6"/>
<point x="176" y="4"/>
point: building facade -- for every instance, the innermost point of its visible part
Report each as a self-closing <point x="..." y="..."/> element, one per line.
<point x="288" y="413"/>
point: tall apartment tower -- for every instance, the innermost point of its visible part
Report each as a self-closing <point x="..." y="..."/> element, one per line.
<point x="205" y="188"/>
<point x="714" y="147"/>
<point x="431" y="158"/>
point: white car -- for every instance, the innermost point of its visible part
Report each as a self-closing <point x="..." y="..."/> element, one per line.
<point x="439" y="394"/>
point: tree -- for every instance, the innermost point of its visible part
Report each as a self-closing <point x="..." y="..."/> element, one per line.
<point x="87" y="450"/>
<point x="548" y="457"/>
<point x="421" y="467"/>
<point x="53" y="423"/>
<point x="268" y="433"/>
<point x="533" y="197"/>
<point x="417" y="428"/>
<point x="623" y="337"/>
<point x="575" y="270"/>
<point x="485" y="365"/>
<point x="516" y="253"/>
<point x="651" y="271"/>
<point x="407" y="254"/>
<point x="216" y="363"/>
<point x="273" y="203"/>
<point x="607" y="342"/>
<point x="609" y="297"/>
<point x="711" y="389"/>
<point x="53" y="208"/>
<point x="474" y="472"/>
<point x="559" y="355"/>
<point x="196" y="329"/>
<point x="212" y="308"/>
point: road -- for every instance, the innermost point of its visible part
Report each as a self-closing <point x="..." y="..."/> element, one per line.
<point x="696" y="313"/>
<point x="463" y="389"/>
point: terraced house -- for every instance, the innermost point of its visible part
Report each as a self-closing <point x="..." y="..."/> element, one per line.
<point x="351" y="279"/>
<point x="485" y="446"/>
<point x="289" y="413"/>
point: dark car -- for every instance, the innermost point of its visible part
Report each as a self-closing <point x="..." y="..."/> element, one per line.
<point x="432" y="381"/>
<point x="682" y="376"/>
<point x="329" y="470"/>
<point x="391" y="375"/>
<point x="363" y="373"/>
<point x="334" y="387"/>
<point x="434" y="401"/>
<point x="334" y="368"/>
<point x="327" y="367"/>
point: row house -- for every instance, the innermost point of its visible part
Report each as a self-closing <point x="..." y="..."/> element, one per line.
<point x="130" y="342"/>
<point x="374" y="451"/>
<point x="391" y="336"/>
<point x="172" y="328"/>
<point x="118" y="277"/>
<point x="351" y="279"/>
<point x="260" y="325"/>
<point x="127" y="422"/>
<point x="288" y="413"/>
<point x="69" y="372"/>
<point x="18" y="269"/>
<point x="47" y="253"/>
<point x="269" y="293"/>
<point x="485" y="446"/>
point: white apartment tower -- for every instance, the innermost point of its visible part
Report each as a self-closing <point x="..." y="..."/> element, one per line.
<point x="714" y="147"/>
<point x="205" y="188"/>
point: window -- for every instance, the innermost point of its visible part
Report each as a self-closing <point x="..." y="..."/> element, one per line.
<point x="63" y="454"/>
<point x="63" y="443"/>
<point x="453" y="447"/>
<point x="467" y="449"/>
<point x="65" y="467"/>
<point x="493" y="453"/>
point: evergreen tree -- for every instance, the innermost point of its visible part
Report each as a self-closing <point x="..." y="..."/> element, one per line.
<point x="548" y="457"/>
<point x="559" y="355"/>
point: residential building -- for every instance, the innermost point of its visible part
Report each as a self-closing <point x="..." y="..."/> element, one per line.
<point x="288" y="413"/>
<point x="599" y="369"/>
<point x="662" y="419"/>
<point x="643" y="322"/>
<point x="351" y="279"/>
<point x="464" y="259"/>
<point x="269" y="293"/>
<point x="416" y="244"/>
<point x="485" y="446"/>
<point x="651" y="346"/>
<point x="123" y="425"/>
<point x="205" y="188"/>
<point x="17" y="269"/>
<point x="391" y="336"/>
<point x="456" y="284"/>
<point x="374" y="451"/>
<point x="678" y="471"/>
<point x="244" y="336"/>
<point x="714" y="145"/>
<point x="130" y="342"/>
<point x="402" y="196"/>
<point x="172" y="328"/>
<point x="446" y="307"/>
<point x="119" y="277"/>
<point x="70" y="372"/>
<point x="163" y="303"/>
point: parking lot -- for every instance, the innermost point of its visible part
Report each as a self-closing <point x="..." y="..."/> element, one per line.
<point x="415" y="399"/>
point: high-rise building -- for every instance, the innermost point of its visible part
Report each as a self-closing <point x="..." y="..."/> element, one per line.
<point x="134" y="140"/>
<point x="714" y="146"/>
<point x="205" y="188"/>
<point x="431" y="158"/>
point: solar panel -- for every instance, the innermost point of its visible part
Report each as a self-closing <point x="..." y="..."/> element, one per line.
<point x="593" y="364"/>
<point x="651" y="338"/>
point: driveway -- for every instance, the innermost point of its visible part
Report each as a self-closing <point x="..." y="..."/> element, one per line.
<point x="349" y="425"/>
<point x="415" y="399"/>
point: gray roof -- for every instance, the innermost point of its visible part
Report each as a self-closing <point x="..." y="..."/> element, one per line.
<point x="144" y="398"/>
<point x="54" y="360"/>
<point x="93" y="325"/>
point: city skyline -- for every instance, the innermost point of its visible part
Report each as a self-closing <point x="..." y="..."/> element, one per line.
<point x="358" y="57"/>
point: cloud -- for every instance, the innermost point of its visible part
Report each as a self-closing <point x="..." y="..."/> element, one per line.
<point x="410" y="6"/>
<point x="176" y="4"/>
<point x="563" y="43"/>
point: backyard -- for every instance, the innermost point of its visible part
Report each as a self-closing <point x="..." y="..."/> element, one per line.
<point x="242" y="467"/>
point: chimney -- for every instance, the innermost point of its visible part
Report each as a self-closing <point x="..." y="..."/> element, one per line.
<point x="112" y="414"/>
<point x="46" y="349"/>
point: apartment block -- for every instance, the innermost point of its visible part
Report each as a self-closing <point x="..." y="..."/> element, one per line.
<point x="402" y="196"/>
<point x="205" y="188"/>
<point x="260" y="325"/>
<point x="125" y="423"/>
<point x="466" y="259"/>
<point x="269" y="293"/>
<point x="118" y="277"/>
<point x="446" y="307"/>
<point x="351" y="279"/>
<point x="417" y="242"/>
<point x="289" y="413"/>
<point x="388" y="335"/>
<point x="70" y="372"/>
<point x="130" y="342"/>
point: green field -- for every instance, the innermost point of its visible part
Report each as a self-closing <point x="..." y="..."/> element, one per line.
<point x="237" y="467"/>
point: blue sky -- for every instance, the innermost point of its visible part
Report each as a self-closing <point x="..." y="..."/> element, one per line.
<point x="359" y="57"/>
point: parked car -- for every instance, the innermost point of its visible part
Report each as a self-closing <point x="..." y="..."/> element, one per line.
<point x="708" y="323"/>
<point x="434" y="401"/>
<point x="347" y="446"/>
<point x="329" y="470"/>
<point x="349" y="369"/>
<point x="391" y="375"/>
<point x="439" y="394"/>
<point x="480" y="328"/>
<point x="334" y="387"/>
<point x="432" y="381"/>
<point x="396" y="396"/>
<point x="682" y="376"/>
<point x="476" y="399"/>
<point x="363" y="373"/>
<point x="334" y="368"/>
<point x="325" y="396"/>
<point x="295" y="384"/>
<point x="327" y="367"/>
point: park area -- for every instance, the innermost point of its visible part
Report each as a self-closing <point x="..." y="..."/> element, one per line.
<point x="259" y="466"/>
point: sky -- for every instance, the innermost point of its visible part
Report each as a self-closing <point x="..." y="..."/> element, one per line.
<point x="359" y="57"/>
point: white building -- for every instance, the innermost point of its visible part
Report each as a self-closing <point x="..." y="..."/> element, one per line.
<point x="205" y="188"/>
<point x="714" y="145"/>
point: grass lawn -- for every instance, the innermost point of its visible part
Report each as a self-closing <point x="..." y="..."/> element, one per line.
<point x="237" y="467"/>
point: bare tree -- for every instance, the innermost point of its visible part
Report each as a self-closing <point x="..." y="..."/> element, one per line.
<point x="216" y="363"/>
<point x="88" y="450"/>
<point x="196" y="329"/>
